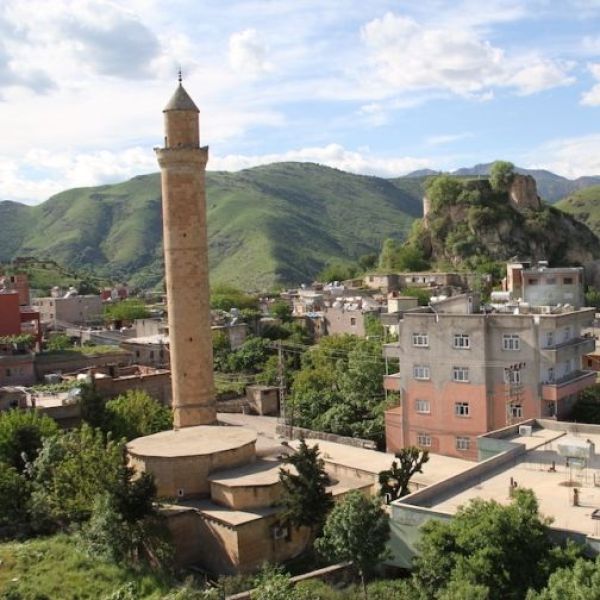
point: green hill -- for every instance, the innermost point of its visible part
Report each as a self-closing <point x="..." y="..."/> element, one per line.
<point x="271" y="225"/>
<point x="584" y="205"/>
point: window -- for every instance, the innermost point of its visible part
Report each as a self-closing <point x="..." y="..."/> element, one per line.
<point x="460" y="374"/>
<point x="423" y="439"/>
<point x="567" y="334"/>
<point x="423" y="406"/>
<point x="353" y="321"/>
<point x="420" y="339"/>
<point x="532" y="281"/>
<point x="8" y="372"/>
<point x="512" y="376"/>
<point x="463" y="443"/>
<point x="462" y="340"/>
<point x="461" y="409"/>
<point x="550" y="280"/>
<point x="515" y="411"/>
<point x="549" y="339"/>
<point x="421" y="372"/>
<point x="551" y="374"/>
<point x="568" y="281"/>
<point x="510" y="341"/>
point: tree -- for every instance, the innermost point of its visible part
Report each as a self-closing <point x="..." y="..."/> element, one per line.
<point x="22" y="434"/>
<point x="592" y="298"/>
<point x="394" y="481"/>
<point x="443" y="190"/>
<point x="357" y="529"/>
<point x="221" y="349"/>
<point x="70" y="472"/>
<point x="92" y="406"/>
<point x="282" y="310"/>
<point x="337" y="271"/>
<point x="505" y="549"/>
<point x="250" y="357"/>
<point x="135" y="414"/>
<point x="126" y="310"/>
<point x="579" y="582"/>
<point x="387" y="258"/>
<point x="305" y="501"/>
<point x="14" y="496"/>
<point x="225" y="297"/>
<point x="502" y="174"/>
<point x="273" y="584"/>
<point x="58" y="343"/>
<point x="368" y="261"/>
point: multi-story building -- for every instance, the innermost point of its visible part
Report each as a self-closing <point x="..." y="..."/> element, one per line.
<point x="70" y="310"/>
<point x="464" y="371"/>
<point x="541" y="285"/>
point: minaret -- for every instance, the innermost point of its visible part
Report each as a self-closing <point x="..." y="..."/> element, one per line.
<point x="183" y="163"/>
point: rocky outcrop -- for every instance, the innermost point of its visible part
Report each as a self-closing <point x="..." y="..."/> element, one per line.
<point x="522" y="193"/>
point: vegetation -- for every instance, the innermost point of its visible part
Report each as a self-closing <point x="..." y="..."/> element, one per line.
<point x="394" y="481"/>
<point x="126" y="311"/>
<point x="225" y="297"/>
<point x="579" y="582"/>
<point x="135" y="414"/>
<point x="116" y="230"/>
<point x="587" y="407"/>
<point x="356" y="530"/>
<point x="305" y="501"/>
<point x="584" y="205"/>
<point x="502" y="174"/>
<point x="339" y="388"/>
<point x="493" y="551"/>
<point x="58" y="343"/>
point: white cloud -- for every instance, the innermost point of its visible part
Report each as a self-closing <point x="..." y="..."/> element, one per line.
<point x="569" y="157"/>
<point x="439" y="140"/>
<point x="407" y="55"/>
<point x="247" y="53"/>
<point x="592" y="96"/>
<point x="331" y="155"/>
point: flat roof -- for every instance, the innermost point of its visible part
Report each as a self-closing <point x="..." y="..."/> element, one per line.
<point x="553" y="487"/>
<point x="191" y="441"/>
<point x="437" y="468"/>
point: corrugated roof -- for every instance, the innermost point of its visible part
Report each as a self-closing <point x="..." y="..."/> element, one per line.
<point x="180" y="101"/>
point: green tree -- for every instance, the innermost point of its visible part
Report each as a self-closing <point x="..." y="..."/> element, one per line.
<point x="250" y="357"/>
<point x="357" y="529"/>
<point x="126" y="310"/>
<point x="135" y="414"/>
<point x="221" y="349"/>
<point x="92" y="406"/>
<point x="579" y="582"/>
<point x="387" y="258"/>
<point x="70" y="471"/>
<point x="502" y="174"/>
<point x="58" y="343"/>
<point x="22" y="434"/>
<point x="305" y="501"/>
<point x="505" y="549"/>
<point x="225" y="297"/>
<point x="14" y="496"/>
<point x="394" y="481"/>
<point x="337" y="271"/>
<point x="273" y="584"/>
<point x="368" y="261"/>
<point x="592" y="298"/>
<point x="443" y="190"/>
<point x="282" y="310"/>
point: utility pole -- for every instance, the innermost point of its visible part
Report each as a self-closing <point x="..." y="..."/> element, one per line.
<point x="281" y="377"/>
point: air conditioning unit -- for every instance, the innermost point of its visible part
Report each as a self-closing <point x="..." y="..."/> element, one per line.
<point x="525" y="430"/>
<point x="279" y="533"/>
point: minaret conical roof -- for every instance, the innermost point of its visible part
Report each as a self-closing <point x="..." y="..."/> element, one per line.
<point x="180" y="100"/>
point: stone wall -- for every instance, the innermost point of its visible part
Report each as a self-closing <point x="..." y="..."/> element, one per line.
<point x="523" y="193"/>
<point x="295" y="433"/>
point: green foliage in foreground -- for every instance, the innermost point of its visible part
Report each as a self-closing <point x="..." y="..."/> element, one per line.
<point x="126" y="310"/>
<point x="305" y="501"/>
<point x="580" y="582"/>
<point x="22" y="434"/>
<point x="503" y="550"/>
<point x="356" y="530"/>
<point x="55" y="568"/>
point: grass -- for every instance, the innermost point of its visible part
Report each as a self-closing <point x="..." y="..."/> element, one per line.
<point x="584" y="205"/>
<point x="85" y="350"/>
<point x="54" y="568"/>
<point x="268" y="226"/>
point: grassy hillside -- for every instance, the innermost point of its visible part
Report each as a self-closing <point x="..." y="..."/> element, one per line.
<point x="268" y="226"/>
<point x="584" y="205"/>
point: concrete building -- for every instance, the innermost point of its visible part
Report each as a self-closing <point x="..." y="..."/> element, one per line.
<point x="541" y="285"/>
<point x="149" y="350"/>
<point x="16" y="364"/>
<point x="557" y="460"/>
<point x="389" y="282"/>
<point x="69" y="310"/>
<point x="464" y="372"/>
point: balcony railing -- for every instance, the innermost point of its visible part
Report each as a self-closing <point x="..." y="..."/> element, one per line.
<point x="567" y="385"/>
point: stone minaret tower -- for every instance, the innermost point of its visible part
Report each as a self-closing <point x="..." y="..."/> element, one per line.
<point x="183" y="162"/>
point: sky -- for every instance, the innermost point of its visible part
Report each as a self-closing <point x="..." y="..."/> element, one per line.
<point x="376" y="87"/>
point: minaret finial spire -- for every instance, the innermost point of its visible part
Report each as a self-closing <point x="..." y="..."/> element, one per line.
<point x="179" y="75"/>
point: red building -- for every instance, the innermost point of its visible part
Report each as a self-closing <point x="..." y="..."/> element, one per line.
<point x="10" y="313"/>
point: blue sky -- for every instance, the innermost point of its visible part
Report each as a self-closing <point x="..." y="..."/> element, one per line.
<point x="379" y="87"/>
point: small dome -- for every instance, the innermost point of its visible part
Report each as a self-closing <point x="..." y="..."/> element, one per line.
<point x="180" y="101"/>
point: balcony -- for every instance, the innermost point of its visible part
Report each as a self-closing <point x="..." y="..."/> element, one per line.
<point x="392" y="382"/>
<point x="569" y="384"/>
<point x="584" y="345"/>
